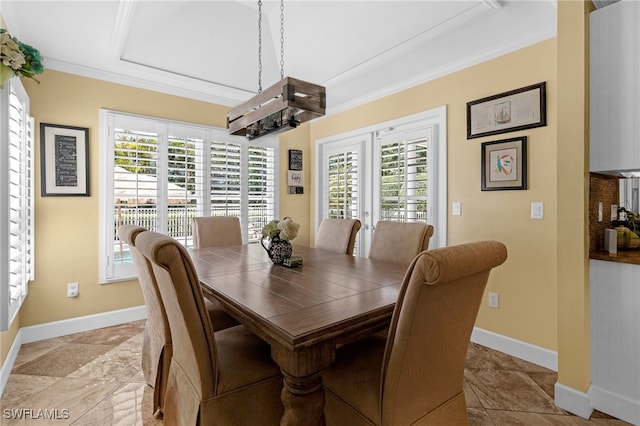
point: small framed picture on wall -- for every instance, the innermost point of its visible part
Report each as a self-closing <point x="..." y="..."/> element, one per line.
<point x="295" y="159"/>
<point x="504" y="164"/>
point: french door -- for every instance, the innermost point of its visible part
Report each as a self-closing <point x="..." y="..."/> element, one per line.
<point x="344" y="188"/>
<point x="392" y="172"/>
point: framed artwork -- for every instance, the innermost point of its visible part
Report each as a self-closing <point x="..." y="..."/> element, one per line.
<point x="295" y="178"/>
<point x="295" y="181"/>
<point x="64" y="160"/>
<point x="518" y="109"/>
<point x="504" y="164"/>
<point x="295" y="159"/>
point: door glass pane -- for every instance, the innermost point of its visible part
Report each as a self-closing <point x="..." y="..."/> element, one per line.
<point x="404" y="177"/>
<point x="342" y="197"/>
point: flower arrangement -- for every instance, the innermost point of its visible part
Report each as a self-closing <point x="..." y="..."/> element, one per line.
<point x="17" y="59"/>
<point x="285" y="229"/>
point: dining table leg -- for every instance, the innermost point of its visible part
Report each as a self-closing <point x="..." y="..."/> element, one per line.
<point x="303" y="400"/>
<point x="302" y="392"/>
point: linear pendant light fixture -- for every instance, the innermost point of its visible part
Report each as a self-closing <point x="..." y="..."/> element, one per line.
<point x="281" y="107"/>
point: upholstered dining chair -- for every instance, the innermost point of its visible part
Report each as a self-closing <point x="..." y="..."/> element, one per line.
<point x="399" y="242"/>
<point x="415" y="375"/>
<point x="211" y="231"/>
<point x="157" y="347"/>
<point x="338" y="235"/>
<point x="226" y="377"/>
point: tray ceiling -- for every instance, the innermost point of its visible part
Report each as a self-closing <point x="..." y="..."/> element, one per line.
<point x="208" y="50"/>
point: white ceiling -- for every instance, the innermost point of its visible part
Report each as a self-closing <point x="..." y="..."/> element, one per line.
<point x="208" y="50"/>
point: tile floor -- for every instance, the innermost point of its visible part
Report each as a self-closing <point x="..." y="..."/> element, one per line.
<point x="94" y="378"/>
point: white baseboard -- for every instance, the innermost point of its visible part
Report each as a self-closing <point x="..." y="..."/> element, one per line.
<point x="567" y="398"/>
<point x="573" y="401"/>
<point x="49" y="330"/>
<point x="615" y="405"/>
<point x="7" y="365"/>
<point x="523" y="350"/>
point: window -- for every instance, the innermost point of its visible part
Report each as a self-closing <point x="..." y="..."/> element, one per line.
<point x="159" y="174"/>
<point x="16" y="200"/>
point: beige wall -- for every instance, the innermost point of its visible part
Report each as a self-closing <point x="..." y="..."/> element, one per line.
<point x="297" y="206"/>
<point x="67" y="228"/>
<point x="574" y="354"/>
<point x="527" y="282"/>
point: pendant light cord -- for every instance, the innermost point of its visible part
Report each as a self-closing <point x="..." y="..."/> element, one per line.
<point x="281" y="39"/>
<point x="260" y="43"/>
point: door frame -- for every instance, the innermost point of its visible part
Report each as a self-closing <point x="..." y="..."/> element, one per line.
<point x="435" y="116"/>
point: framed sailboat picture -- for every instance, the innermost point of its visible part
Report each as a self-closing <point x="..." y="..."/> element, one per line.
<point x="519" y="109"/>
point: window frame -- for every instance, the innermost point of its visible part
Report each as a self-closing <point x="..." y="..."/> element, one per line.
<point x="110" y="272"/>
<point x="9" y="307"/>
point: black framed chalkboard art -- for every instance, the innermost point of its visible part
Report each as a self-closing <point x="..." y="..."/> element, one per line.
<point x="64" y="160"/>
<point x="295" y="159"/>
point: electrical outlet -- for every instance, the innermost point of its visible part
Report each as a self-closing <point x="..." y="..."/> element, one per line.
<point x="72" y="290"/>
<point x="493" y="300"/>
<point x="456" y="208"/>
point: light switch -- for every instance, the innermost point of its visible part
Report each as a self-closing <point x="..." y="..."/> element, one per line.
<point x="456" y="208"/>
<point x="537" y="211"/>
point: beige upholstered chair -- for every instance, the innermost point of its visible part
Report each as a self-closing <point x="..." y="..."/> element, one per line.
<point x="337" y="235"/>
<point x="399" y="242"/>
<point x="226" y="378"/>
<point x="156" y="345"/>
<point x="415" y="375"/>
<point x="216" y="231"/>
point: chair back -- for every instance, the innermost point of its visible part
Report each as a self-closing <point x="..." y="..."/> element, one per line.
<point x="399" y="242"/>
<point x="216" y="231"/>
<point x="194" y="350"/>
<point x="156" y="351"/>
<point x="338" y="235"/>
<point x="430" y="329"/>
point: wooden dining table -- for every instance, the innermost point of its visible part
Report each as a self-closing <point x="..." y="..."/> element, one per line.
<point x="304" y="313"/>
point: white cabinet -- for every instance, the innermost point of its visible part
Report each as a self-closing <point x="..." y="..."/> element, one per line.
<point x="615" y="87"/>
<point x="615" y="339"/>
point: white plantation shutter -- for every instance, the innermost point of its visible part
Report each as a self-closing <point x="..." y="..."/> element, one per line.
<point x="343" y="185"/>
<point x="16" y="199"/>
<point x="225" y="179"/>
<point x="159" y="174"/>
<point x="405" y="178"/>
<point x="261" y="182"/>
<point x="185" y="181"/>
<point x="134" y="185"/>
